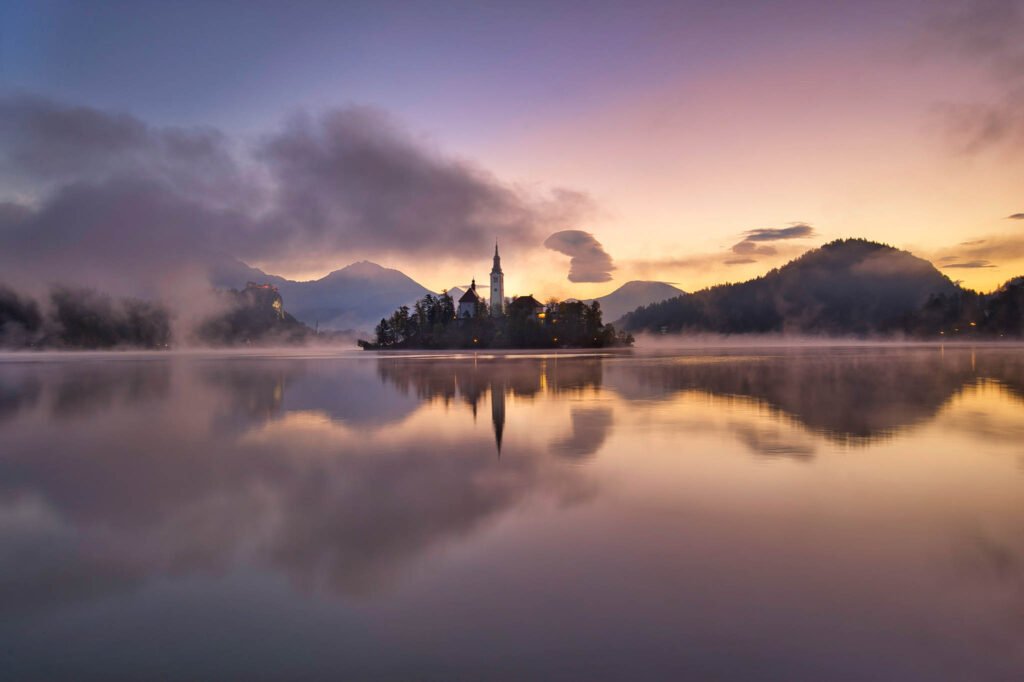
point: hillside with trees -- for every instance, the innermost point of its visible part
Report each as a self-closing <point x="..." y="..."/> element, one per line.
<point x="71" y="319"/>
<point x="847" y="287"/>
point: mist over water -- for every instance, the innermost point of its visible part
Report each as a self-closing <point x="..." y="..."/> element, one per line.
<point x="748" y="512"/>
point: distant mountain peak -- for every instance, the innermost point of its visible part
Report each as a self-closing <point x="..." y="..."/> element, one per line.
<point x="634" y="294"/>
<point x="353" y="297"/>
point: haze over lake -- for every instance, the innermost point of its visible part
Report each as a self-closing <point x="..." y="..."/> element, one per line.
<point x="754" y="513"/>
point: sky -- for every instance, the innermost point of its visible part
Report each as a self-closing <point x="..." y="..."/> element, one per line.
<point x="691" y="142"/>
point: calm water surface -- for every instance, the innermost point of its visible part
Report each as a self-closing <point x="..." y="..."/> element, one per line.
<point x="804" y="514"/>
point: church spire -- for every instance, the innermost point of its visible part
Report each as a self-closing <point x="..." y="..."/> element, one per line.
<point x="497" y="284"/>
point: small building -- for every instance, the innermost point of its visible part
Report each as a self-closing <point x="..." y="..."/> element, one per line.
<point x="469" y="302"/>
<point x="525" y="306"/>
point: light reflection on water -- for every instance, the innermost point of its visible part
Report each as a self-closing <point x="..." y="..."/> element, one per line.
<point x="778" y="514"/>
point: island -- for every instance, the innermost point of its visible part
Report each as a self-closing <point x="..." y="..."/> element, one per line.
<point x="438" y="322"/>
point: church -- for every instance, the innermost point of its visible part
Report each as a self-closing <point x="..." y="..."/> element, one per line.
<point x="470" y="299"/>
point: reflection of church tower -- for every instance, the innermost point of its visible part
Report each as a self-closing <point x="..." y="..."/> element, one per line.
<point x="498" y="412"/>
<point x="497" y="285"/>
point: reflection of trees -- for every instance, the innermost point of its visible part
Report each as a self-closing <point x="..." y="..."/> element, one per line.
<point x="130" y="493"/>
<point x="18" y="391"/>
<point x="860" y="394"/>
<point x="86" y="389"/>
<point x="469" y="380"/>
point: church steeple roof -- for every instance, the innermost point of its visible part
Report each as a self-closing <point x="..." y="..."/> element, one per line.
<point x="470" y="296"/>
<point x="497" y="258"/>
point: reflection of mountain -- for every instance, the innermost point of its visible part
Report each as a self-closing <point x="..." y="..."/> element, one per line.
<point x="847" y="394"/>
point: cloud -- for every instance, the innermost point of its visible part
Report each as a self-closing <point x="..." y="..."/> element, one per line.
<point x="752" y="245"/>
<point x="747" y="247"/>
<point x="107" y="200"/>
<point x="970" y="264"/>
<point x="741" y="253"/>
<point x="590" y="262"/>
<point x="795" y="231"/>
<point x="353" y="179"/>
<point x="1000" y="247"/>
<point x="1016" y="216"/>
<point x="987" y="32"/>
<point x="45" y="145"/>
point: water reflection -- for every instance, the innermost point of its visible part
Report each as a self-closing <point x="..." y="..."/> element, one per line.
<point x="624" y="494"/>
<point x="852" y="395"/>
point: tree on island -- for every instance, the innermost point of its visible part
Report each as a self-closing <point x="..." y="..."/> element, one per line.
<point x="432" y="323"/>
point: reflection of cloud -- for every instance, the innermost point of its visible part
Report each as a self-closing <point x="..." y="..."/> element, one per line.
<point x="211" y="466"/>
<point x="772" y="441"/>
<point x="590" y="428"/>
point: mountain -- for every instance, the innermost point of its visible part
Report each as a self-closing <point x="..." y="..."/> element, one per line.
<point x="849" y="286"/>
<point x="632" y="295"/>
<point x="354" y="297"/>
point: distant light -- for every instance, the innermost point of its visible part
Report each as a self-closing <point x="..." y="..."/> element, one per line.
<point x="973" y="324"/>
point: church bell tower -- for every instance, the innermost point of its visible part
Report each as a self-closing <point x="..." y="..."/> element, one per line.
<point x="497" y="285"/>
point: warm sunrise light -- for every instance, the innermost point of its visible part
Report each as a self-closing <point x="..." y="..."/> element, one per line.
<point x="577" y="340"/>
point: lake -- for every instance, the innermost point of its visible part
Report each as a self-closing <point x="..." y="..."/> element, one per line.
<point x="803" y="513"/>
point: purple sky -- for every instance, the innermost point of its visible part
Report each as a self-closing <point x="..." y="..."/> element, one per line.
<point x="684" y="124"/>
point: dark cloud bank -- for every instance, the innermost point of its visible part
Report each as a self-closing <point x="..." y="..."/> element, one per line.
<point x="106" y="200"/>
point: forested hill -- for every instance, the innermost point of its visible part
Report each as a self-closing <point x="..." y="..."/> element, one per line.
<point x="849" y="286"/>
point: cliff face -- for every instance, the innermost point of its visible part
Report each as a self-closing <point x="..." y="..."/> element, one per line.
<point x="254" y="315"/>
